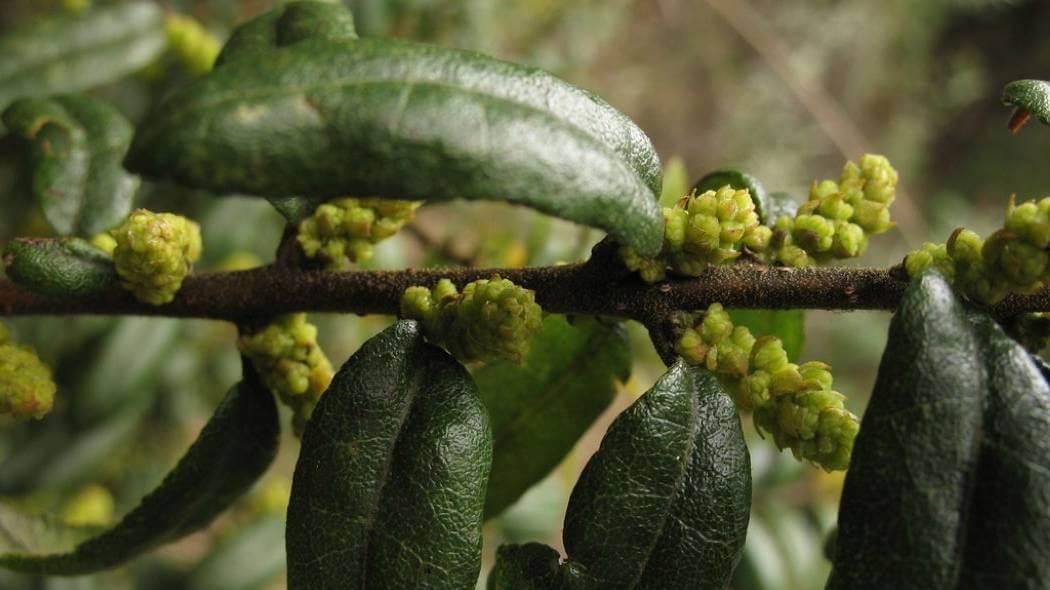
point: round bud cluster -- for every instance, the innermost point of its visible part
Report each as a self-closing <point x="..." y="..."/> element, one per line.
<point x="343" y="231"/>
<point x="838" y="217"/>
<point x="714" y="227"/>
<point x="1014" y="259"/>
<point x="794" y="403"/>
<point x="191" y="43"/>
<point x="290" y="363"/>
<point x="154" y="253"/>
<point x="26" y="387"/>
<point x="490" y="319"/>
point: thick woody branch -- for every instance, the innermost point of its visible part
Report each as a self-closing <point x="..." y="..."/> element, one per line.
<point x="589" y="288"/>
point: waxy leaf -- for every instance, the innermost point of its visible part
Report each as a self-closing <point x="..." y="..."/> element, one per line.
<point x="949" y="485"/>
<point x="72" y="53"/>
<point x="77" y="145"/>
<point x="390" y="484"/>
<point x="60" y="268"/>
<point x="1028" y="97"/>
<point x="665" y="501"/>
<point x="232" y="451"/>
<point x="294" y="108"/>
<point x="539" y="410"/>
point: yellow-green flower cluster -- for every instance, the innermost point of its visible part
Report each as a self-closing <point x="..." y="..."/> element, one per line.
<point x="838" y="217"/>
<point x="1014" y="259"/>
<point x="291" y="364"/>
<point x="91" y="506"/>
<point x="794" y="403"/>
<point x="191" y="43"/>
<point x="490" y="319"/>
<point x="343" y="231"/>
<point x="154" y="253"/>
<point x="714" y="227"/>
<point x="26" y="387"/>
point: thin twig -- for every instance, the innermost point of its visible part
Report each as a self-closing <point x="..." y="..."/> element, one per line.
<point x="588" y="288"/>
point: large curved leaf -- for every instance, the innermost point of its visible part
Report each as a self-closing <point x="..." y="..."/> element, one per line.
<point x="664" y="503"/>
<point x="326" y="114"/>
<point x="390" y="483"/>
<point x="948" y="485"/>
<point x="77" y="145"/>
<point x="71" y="53"/>
<point x="233" y="449"/>
<point x="541" y="409"/>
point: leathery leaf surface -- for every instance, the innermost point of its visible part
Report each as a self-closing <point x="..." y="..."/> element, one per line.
<point x="390" y="484"/>
<point x="299" y="106"/>
<point x="949" y="485"/>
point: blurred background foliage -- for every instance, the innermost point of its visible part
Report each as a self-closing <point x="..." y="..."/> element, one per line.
<point x="784" y="90"/>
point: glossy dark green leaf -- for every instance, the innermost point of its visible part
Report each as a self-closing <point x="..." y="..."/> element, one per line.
<point x="390" y="484"/>
<point x="332" y="115"/>
<point x="949" y="478"/>
<point x="665" y="501"/>
<point x="1031" y="96"/>
<point x="787" y="324"/>
<point x="539" y="410"/>
<point x="233" y="450"/>
<point x="72" y="53"/>
<point x="77" y="145"/>
<point x="532" y="566"/>
<point x="60" y="268"/>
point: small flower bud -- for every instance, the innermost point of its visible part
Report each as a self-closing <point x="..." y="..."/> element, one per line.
<point x="154" y="253"/>
<point x="343" y="231"/>
<point x="26" y="387"/>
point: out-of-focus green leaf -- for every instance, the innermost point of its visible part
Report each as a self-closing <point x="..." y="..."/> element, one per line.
<point x="390" y="484"/>
<point x="665" y="501"/>
<point x="762" y="566"/>
<point x="539" y="410"/>
<point x="249" y="560"/>
<point x="532" y="566"/>
<point x="329" y="116"/>
<point x="72" y="53"/>
<point x="676" y="182"/>
<point x="233" y="449"/>
<point x="1029" y="96"/>
<point x="948" y="483"/>
<point x="77" y="145"/>
<point x="787" y="324"/>
<point x="60" y="268"/>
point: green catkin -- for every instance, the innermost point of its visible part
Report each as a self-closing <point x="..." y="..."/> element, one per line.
<point x="27" y="389"/>
<point x="793" y="403"/>
<point x="491" y="319"/>
<point x="719" y="227"/>
<point x="154" y="252"/>
<point x="290" y="363"/>
<point x="343" y="231"/>
<point x="195" y="47"/>
<point x="1014" y="259"/>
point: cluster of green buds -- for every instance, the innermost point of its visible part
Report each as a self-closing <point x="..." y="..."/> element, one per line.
<point x="491" y="318"/>
<point x="343" y="231"/>
<point x="1014" y="259"/>
<point x="290" y="363"/>
<point x="838" y="217"/>
<point x="794" y="403"/>
<point x="719" y="227"/>
<point x="154" y="252"/>
<point x="26" y="387"/>
<point x="714" y="227"/>
<point x="191" y="43"/>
